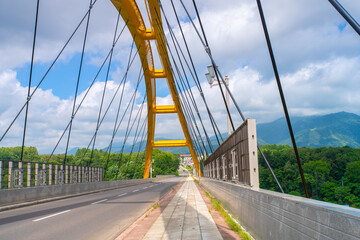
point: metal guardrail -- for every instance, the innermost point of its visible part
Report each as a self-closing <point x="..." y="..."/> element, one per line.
<point x="236" y="158"/>
<point x="15" y="174"/>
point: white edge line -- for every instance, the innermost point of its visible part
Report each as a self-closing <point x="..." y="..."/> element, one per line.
<point x="122" y="195"/>
<point x="52" y="215"/>
<point x="99" y="201"/>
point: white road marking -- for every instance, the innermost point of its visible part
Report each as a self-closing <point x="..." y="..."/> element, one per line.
<point x="135" y="190"/>
<point x="52" y="215"/>
<point x="145" y="187"/>
<point x="122" y="195"/>
<point x="99" y="201"/>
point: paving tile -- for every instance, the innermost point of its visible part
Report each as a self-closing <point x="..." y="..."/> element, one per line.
<point x="185" y="217"/>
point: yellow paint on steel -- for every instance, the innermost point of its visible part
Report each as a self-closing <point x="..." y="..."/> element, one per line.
<point x="165" y="109"/>
<point x="132" y="16"/>
<point x="170" y="143"/>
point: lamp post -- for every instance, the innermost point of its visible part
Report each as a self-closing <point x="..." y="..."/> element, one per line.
<point x="210" y="76"/>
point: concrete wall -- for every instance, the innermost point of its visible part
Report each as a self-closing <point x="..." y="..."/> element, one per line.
<point x="22" y="195"/>
<point x="271" y="215"/>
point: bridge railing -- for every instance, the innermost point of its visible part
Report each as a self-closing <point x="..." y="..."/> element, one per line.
<point x="236" y="158"/>
<point x="16" y="174"/>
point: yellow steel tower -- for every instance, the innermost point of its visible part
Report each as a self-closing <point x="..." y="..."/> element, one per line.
<point x="142" y="36"/>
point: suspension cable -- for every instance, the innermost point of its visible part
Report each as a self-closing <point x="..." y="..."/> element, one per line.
<point x="78" y="81"/>
<point x="346" y="15"/>
<point x="164" y="47"/>
<point x="189" y="92"/>
<point x="29" y="88"/>
<point x="85" y="95"/>
<point x="207" y="49"/>
<point x="271" y="53"/>
<point x="105" y="84"/>
<point x="46" y="73"/>
<point x="196" y="78"/>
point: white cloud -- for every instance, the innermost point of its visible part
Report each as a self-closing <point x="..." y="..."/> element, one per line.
<point x="317" y="59"/>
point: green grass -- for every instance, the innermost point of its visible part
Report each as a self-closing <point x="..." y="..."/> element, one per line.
<point x="229" y="221"/>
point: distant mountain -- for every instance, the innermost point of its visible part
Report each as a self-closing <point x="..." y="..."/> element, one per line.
<point x="332" y="130"/>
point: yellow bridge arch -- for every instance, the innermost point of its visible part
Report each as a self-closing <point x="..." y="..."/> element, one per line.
<point x="142" y="36"/>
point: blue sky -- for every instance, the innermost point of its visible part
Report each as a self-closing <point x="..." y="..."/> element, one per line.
<point x="317" y="52"/>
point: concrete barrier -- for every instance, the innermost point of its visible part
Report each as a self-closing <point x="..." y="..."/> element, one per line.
<point x="271" y="215"/>
<point x="31" y="194"/>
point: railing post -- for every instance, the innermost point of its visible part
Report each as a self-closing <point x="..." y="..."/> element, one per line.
<point x="42" y="175"/>
<point x="253" y="156"/>
<point x="50" y="174"/>
<point x="28" y="176"/>
<point x="18" y="177"/>
<point x="71" y="174"/>
<point x="36" y="174"/>
<point x="1" y="173"/>
<point x="56" y="174"/>
<point x="10" y="174"/>
<point x="66" y="174"/>
<point x="61" y="180"/>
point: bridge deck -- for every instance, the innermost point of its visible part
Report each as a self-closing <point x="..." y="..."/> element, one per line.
<point x="186" y="217"/>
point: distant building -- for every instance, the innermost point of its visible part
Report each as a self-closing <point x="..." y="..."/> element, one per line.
<point x="186" y="159"/>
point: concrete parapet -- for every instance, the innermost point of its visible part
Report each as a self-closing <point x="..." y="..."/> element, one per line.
<point x="22" y="195"/>
<point x="272" y="215"/>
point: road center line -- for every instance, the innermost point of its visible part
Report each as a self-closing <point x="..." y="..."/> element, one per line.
<point x="135" y="190"/>
<point x="99" y="201"/>
<point x="122" y="195"/>
<point x="145" y="187"/>
<point x="52" y="215"/>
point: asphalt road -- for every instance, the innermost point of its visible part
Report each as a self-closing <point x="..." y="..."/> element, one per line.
<point x="95" y="216"/>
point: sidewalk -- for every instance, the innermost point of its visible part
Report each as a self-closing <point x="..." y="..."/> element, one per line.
<point x="185" y="217"/>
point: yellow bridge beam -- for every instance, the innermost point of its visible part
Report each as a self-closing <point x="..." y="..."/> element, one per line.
<point x="165" y="109"/>
<point x="170" y="143"/>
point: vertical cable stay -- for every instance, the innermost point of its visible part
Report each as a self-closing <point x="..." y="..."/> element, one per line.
<point x="273" y="61"/>
<point x="182" y="83"/>
<point x="46" y="73"/>
<point x="121" y="98"/>
<point x="86" y="94"/>
<point x="185" y="103"/>
<point x="78" y="81"/>
<point x="214" y="66"/>
<point x="127" y="132"/>
<point x="30" y="78"/>
<point x="122" y="83"/>
<point x="187" y="89"/>
<point x="131" y="100"/>
<point x="196" y="78"/>
<point x="207" y="49"/>
<point x="138" y="133"/>
<point x="105" y="84"/>
<point x="346" y="15"/>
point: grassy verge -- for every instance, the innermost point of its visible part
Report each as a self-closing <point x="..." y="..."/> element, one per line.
<point x="230" y="222"/>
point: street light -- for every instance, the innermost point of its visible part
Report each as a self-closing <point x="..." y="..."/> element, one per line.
<point x="210" y="76"/>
